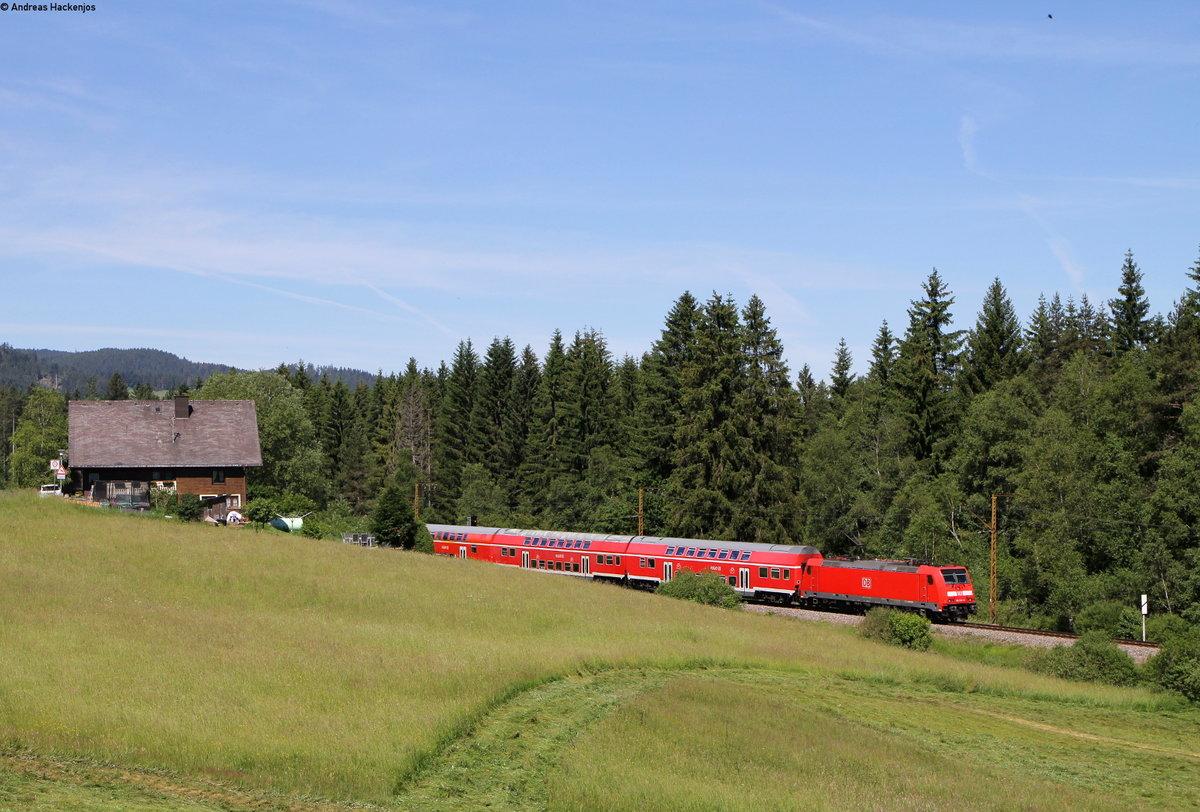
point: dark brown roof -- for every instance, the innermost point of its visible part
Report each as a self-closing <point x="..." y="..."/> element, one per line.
<point x="146" y="434"/>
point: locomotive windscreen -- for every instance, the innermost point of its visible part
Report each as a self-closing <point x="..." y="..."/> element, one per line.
<point x="956" y="576"/>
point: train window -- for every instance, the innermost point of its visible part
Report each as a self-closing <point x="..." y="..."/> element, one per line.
<point x="642" y="563"/>
<point x="577" y="544"/>
<point x="712" y="553"/>
<point x="762" y="572"/>
<point x="745" y="555"/>
<point x="670" y="551"/>
<point x="474" y="549"/>
<point x="691" y="551"/>
<point x="732" y="581"/>
<point x="957" y="575"/>
<point x="574" y="566"/>
<point x="787" y="575"/>
<point x="929" y="580"/>
<point x="617" y="560"/>
<point x="650" y="563"/>
<point x="558" y="565"/>
<point x="587" y="545"/>
<point x="774" y="572"/>
<point x="724" y="554"/>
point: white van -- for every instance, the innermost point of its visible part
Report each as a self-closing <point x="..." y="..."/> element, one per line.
<point x="50" y="490"/>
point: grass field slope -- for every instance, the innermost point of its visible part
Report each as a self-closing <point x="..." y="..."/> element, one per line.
<point x="150" y="665"/>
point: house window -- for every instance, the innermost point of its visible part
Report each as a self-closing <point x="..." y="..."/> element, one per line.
<point x="218" y="477"/>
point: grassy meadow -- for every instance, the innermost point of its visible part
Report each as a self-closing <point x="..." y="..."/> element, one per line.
<point x="151" y="665"/>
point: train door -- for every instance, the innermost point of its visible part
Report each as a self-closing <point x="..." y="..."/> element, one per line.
<point x="668" y="571"/>
<point x="462" y="551"/>
<point x="586" y="560"/>
<point x="744" y="578"/>
<point x="525" y="559"/>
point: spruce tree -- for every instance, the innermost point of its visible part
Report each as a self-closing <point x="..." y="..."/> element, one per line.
<point x="994" y="346"/>
<point x="588" y="408"/>
<point x="456" y="444"/>
<point x="392" y="521"/>
<point x="843" y="362"/>
<point x="117" y="388"/>
<point x="1130" y="309"/>
<point x="883" y="358"/>
<point x="764" y="408"/>
<point x="711" y="450"/>
<point x="925" y="370"/>
<point x="546" y="457"/>
<point x="658" y="408"/>
<point x="492" y="412"/>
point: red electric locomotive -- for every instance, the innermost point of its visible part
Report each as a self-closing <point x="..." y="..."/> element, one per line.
<point x="942" y="593"/>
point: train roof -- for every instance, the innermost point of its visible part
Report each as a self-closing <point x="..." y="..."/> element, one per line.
<point x="873" y="564"/>
<point x="656" y="540"/>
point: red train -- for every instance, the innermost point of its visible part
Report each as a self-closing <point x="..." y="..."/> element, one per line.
<point x="786" y="574"/>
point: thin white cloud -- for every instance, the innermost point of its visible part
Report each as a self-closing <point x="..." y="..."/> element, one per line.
<point x="967" y="129"/>
<point x="1038" y="40"/>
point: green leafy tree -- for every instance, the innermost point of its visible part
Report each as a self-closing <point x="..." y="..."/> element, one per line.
<point x="40" y="434"/>
<point x="482" y="498"/>
<point x="292" y="459"/>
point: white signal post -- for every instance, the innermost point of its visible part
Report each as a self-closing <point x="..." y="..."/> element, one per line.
<point x="1145" y="611"/>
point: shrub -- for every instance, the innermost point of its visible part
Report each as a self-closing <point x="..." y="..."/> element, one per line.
<point x="898" y="628"/>
<point x="1113" y="618"/>
<point x="1093" y="658"/>
<point x="706" y="587"/>
<point x="1176" y="666"/>
<point x="189" y="508"/>
<point x="259" y="511"/>
<point x="424" y="543"/>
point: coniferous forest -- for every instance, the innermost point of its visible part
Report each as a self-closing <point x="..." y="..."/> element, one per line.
<point x="1081" y="423"/>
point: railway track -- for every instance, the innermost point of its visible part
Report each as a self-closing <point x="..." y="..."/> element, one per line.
<point x="1040" y="633"/>
<point x="1136" y="649"/>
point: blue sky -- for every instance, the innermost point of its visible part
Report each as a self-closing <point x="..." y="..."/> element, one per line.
<point x="354" y="182"/>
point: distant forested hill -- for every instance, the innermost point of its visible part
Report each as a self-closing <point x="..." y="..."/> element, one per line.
<point x="71" y="371"/>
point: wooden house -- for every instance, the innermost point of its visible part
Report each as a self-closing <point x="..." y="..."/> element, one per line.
<point x="121" y="450"/>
